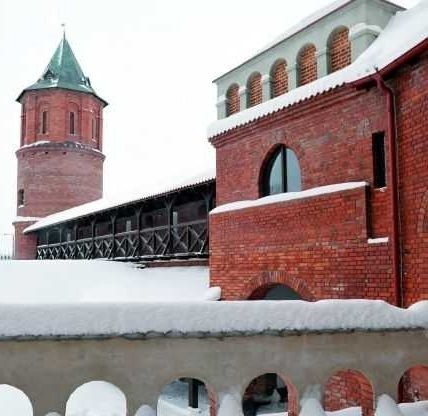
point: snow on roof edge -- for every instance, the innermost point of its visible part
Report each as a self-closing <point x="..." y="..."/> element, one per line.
<point x="300" y="26"/>
<point x="103" y="204"/>
<point x="288" y="196"/>
<point x="190" y="319"/>
<point x="371" y="60"/>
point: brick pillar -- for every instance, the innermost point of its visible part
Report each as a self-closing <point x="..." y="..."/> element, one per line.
<point x="266" y="88"/>
<point x="221" y="107"/>
<point x="323" y="57"/>
<point x="25" y="244"/>
<point x="243" y="97"/>
<point x="292" y="76"/>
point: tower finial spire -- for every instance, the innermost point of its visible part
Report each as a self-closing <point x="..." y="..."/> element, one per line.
<point x="63" y="30"/>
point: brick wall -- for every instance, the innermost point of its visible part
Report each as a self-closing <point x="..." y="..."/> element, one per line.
<point x="414" y="385"/>
<point x="319" y="243"/>
<point x="279" y="79"/>
<point x="58" y="104"/>
<point x="349" y="388"/>
<point x="323" y="132"/>
<point x="340" y="49"/>
<point x="411" y="86"/>
<point x="57" y="178"/>
<point x="25" y="245"/>
<point x="254" y="93"/>
<point x="232" y="103"/>
<point x="319" y="262"/>
<point x="307" y="64"/>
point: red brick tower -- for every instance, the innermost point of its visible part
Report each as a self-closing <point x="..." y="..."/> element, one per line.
<point x="60" y="160"/>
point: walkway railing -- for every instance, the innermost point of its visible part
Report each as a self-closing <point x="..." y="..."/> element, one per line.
<point x="183" y="240"/>
<point x="6" y="246"/>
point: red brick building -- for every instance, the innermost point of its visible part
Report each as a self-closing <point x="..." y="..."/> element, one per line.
<point x="322" y="189"/>
<point x="364" y="136"/>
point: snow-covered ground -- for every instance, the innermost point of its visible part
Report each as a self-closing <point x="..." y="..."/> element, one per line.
<point x="97" y="281"/>
<point x="13" y="402"/>
<point x="97" y="398"/>
<point x="174" y="401"/>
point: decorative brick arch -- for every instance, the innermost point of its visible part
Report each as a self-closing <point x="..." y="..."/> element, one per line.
<point x="258" y="286"/>
<point x="307" y="64"/>
<point x="422" y="226"/>
<point x="254" y="90"/>
<point x="414" y="385"/>
<point x="279" y="78"/>
<point x="232" y="100"/>
<point x="339" y="47"/>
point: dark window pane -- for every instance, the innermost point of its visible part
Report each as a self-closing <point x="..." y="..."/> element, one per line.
<point x="294" y="180"/>
<point x="21" y="198"/>
<point x="276" y="182"/>
<point x="378" y="152"/>
<point x="72" y="128"/>
<point x="44" y="122"/>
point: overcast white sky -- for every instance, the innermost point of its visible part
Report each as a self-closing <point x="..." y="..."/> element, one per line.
<point x="153" y="61"/>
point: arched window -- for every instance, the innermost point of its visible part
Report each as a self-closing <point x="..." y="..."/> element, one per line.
<point x="307" y="63"/>
<point x="72" y="123"/>
<point x="281" y="173"/>
<point x="232" y="100"/>
<point x="254" y="90"/>
<point x="339" y="49"/>
<point x="279" y="78"/>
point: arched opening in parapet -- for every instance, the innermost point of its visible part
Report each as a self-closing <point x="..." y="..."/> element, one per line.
<point x="349" y="389"/>
<point x="145" y="410"/>
<point x="187" y="396"/>
<point x="339" y="48"/>
<point x="274" y="292"/>
<point x="270" y="393"/>
<point x="96" y="398"/>
<point x="413" y="388"/>
<point x="14" y="402"/>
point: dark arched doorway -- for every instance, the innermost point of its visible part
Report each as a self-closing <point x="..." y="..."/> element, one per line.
<point x="275" y="292"/>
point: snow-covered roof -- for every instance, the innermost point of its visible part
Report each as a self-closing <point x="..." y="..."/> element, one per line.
<point x="305" y="23"/>
<point x="140" y="319"/>
<point x="405" y="30"/>
<point x="81" y="282"/>
<point x="289" y="196"/>
<point x="104" y="204"/>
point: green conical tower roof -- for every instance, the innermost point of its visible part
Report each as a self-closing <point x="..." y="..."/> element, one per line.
<point x="63" y="71"/>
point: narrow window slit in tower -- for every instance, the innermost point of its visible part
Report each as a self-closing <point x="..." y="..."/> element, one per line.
<point x="44" y="122"/>
<point x="378" y="153"/>
<point x="93" y="128"/>
<point x="21" y="199"/>
<point x="72" y="123"/>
